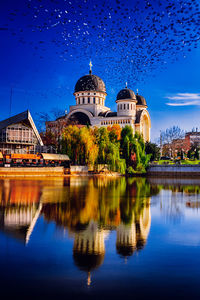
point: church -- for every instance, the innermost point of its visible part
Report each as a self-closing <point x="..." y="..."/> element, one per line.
<point x="90" y="95"/>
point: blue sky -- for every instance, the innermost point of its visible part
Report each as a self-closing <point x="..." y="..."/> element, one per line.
<point x="42" y="66"/>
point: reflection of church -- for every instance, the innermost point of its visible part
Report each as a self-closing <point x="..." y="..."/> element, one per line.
<point x="89" y="248"/>
<point x="22" y="204"/>
<point x="133" y="236"/>
<point x="90" y="95"/>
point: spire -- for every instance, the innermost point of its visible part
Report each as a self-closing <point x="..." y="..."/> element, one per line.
<point x="91" y="65"/>
<point x="126" y="85"/>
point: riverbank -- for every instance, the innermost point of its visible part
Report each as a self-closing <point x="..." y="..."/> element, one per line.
<point x="174" y="170"/>
<point x="152" y="171"/>
<point x="50" y="172"/>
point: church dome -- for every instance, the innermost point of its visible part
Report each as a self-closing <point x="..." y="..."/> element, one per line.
<point x="140" y="100"/>
<point x="90" y="82"/>
<point x="126" y="94"/>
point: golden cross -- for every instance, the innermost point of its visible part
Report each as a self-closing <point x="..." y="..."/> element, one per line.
<point x="137" y="91"/>
<point x="91" y="65"/>
<point x="126" y="84"/>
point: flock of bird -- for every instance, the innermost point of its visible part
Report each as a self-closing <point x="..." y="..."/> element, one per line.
<point x="132" y="37"/>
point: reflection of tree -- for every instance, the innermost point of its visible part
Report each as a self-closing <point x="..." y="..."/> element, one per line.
<point x="175" y="195"/>
<point x="89" y="207"/>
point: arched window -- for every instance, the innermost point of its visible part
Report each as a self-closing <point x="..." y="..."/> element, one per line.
<point x="127" y="106"/>
<point x="83" y="100"/>
<point x="131" y="106"/>
<point x="94" y="100"/>
<point x="124" y="106"/>
<point x="120" y="106"/>
<point x="88" y="99"/>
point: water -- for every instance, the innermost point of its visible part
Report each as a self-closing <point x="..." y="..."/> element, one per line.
<point x="100" y="238"/>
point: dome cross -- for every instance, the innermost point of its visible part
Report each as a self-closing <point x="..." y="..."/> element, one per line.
<point x="91" y="65"/>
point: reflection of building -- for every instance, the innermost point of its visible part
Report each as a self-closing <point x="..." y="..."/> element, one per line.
<point x="89" y="248"/>
<point x="90" y="95"/>
<point x="131" y="237"/>
<point x="19" y="134"/>
<point x="19" y="221"/>
<point x="19" y="208"/>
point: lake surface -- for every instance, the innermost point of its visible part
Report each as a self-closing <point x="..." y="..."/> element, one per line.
<point x="100" y="238"/>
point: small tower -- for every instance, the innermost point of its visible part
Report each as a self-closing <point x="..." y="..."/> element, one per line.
<point x="126" y="102"/>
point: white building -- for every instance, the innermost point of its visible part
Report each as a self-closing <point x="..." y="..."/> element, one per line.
<point x="90" y="95"/>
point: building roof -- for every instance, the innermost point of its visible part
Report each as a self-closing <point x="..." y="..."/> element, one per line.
<point x="138" y="116"/>
<point x="126" y="94"/>
<point x="111" y="114"/>
<point x="24" y="116"/>
<point x="90" y="82"/>
<point x="52" y="156"/>
<point x="140" y="100"/>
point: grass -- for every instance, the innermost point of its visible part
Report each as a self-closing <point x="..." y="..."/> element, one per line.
<point x="183" y="162"/>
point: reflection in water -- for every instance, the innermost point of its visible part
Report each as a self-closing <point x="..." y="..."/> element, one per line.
<point x="133" y="236"/>
<point x="89" y="248"/>
<point x="20" y="208"/>
<point x="90" y="208"/>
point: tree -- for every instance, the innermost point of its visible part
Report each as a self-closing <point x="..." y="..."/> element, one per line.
<point x="133" y="144"/>
<point x="127" y="142"/>
<point x="103" y="142"/>
<point x="114" y="133"/>
<point x="43" y="117"/>
<point x="169" y="135"/>
<point x="153" y="149"/>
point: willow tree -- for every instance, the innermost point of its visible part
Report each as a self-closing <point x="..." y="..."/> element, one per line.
<point x="71" y="144"/>
<point x="90" y="147"/>
<point x="133" y="144"/>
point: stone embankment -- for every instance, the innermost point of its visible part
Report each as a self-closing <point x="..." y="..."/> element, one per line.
<point x="23" y="172"/>
<point x="174" y="170"/>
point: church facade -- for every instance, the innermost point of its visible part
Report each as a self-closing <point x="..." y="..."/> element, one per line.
<point x="90" y="95"/>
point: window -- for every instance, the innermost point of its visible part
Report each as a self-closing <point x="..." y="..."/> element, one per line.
<point x="88" y="99"/>
<point x="127" y="106"/>
<point x="120" y="106"/>
<point x="83" y="100"/>
<point x="124" y="106"/>
<point x="94" y="100"/>
<point x="131" y="106"/>
<point x="88" y="93"/>
<point x="94" y="93"/>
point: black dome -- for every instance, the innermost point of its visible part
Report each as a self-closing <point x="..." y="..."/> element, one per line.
<point x="87" y="262"/>
<point x="125" y="250"/>
<point x="90" y="83"/>
<point x="140" y="100"/>
<point x="126" y="94"/>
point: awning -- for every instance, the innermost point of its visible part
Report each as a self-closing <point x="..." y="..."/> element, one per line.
<point x="1" y="155"/>
<point x="51" y="156"/>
